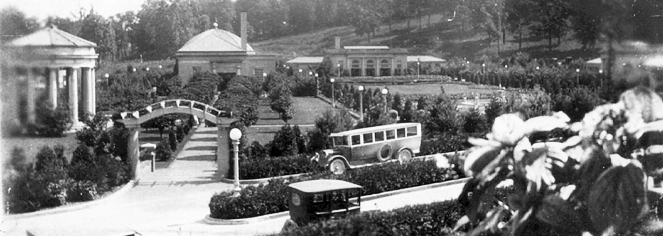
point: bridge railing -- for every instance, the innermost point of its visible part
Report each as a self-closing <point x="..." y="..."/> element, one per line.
<point x="174" y="104"/>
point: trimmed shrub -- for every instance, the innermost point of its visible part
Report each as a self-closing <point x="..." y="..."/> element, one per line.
<point x="253" y="201"/>
<point x="255" y="168"/>
<point x="172" y="140"/>
<point x="81" y="191"/>
<point x="261" y="200"/>
<point x="285" y="142"/>
<point x="163" y="152"/>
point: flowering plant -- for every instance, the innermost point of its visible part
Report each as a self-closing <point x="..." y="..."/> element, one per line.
<point x="593" y="182"/>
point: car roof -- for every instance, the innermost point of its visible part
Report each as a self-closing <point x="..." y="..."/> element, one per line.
<point x="323" y="185"/>
<point x="373" y="129"/>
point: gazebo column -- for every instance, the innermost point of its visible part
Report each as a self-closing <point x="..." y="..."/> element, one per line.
<point x="93" y="80"/>
<point x="87" y="90"/>
<point x="53" y="87"/>
<point x="31" y="96"/>
<point x="73" y="95"/>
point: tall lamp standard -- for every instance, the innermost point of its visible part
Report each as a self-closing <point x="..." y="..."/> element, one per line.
<point x="384" y="97"/>
<point x="361" y="102"/>
<point x="333" y="100"/>
<point x="235" y="135"/>
<point x="317" y="88"/>
<point x="578" y="76"/>
<point x="338" y="68"/>
<point x="418" y="69"/>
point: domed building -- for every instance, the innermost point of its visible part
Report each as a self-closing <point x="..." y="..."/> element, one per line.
<point x="222" y="52"/>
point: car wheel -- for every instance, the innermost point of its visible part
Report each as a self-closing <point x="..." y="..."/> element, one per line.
<point x="405" y="156"/>
<point x="337" y="166"/>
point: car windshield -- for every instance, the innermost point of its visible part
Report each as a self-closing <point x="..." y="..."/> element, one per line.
<point x="340" y="141"/>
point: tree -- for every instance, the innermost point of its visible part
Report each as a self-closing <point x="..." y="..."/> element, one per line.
<point x="281" y="102"/>
<point x="553" y="20"/>
<point x="285" y="142"/>
<point x="328" y="122"/>
<point x="519" y="14"/>
<point x="15" y="24"/>
<point x="100" y="31"/>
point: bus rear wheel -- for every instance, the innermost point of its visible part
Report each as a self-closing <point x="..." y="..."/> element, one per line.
<point x="405" y="156"/>
<point x="337" y="166"/>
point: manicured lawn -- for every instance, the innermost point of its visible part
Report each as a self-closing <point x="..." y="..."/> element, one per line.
<point x="432" y="88"/>
<point x="307" y="109"/>
<point x="32" y="145"/>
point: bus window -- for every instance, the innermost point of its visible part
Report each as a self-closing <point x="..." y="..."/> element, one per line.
<point x="368" y="138"/>
<point x="379" y="136"/>
<point x="412" y="131"/>
<point x="355" y="140"/>
<point x="400" y="132"/>
<point x="391" y="135"/>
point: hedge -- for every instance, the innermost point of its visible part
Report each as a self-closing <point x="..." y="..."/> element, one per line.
<point x="271" y="198"/>
<point x="256" y="168"/>
<point x="436" y="218"/>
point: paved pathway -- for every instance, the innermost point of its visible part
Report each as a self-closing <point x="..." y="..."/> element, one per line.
<point x="173" y="201"/>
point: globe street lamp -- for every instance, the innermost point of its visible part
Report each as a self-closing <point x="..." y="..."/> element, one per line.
<point x="235" y="135"/>
<point x="578" y="76"/>
<point x="361" y="102"/>
<point x="418" y="69"/>
<point x="384" y="97"/>
<point x="338" y="68"/>
<point x="333" y="101"/>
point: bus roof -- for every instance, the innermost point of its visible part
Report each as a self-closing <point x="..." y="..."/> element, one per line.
<point x="323" y="185"/>
<point x="372" y="129"/>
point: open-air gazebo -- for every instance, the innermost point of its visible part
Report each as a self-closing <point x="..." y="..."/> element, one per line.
<point x="44" y="63"/>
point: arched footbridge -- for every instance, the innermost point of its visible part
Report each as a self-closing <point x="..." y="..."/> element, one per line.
<point x="132" y="120"/>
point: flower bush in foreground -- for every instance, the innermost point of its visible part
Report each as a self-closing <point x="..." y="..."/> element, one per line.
<point x="592" y="183"/>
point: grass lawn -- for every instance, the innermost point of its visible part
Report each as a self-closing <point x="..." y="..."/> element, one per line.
<point x="32" y="145"/>
<point x="307" y="109"/>
<point x="431" y="89"/>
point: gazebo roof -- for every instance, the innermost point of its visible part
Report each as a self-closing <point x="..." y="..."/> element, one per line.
<point x="215" y="40"/>
<point x="51" y="37"/>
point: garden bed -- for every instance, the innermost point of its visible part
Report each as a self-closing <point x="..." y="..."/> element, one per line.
<point x="272" y="197"/>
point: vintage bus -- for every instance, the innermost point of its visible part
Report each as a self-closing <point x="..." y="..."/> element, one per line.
<point x="363" y="146"/>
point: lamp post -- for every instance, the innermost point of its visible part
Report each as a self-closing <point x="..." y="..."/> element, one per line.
<point x="106" y="76"/>
<point x="361" y="102"/>
<point x="235" y="135"/>
<point x="338" y="68"/>
<point x="578" y="76"/>
<point x="333" y="100"/>
<point x="384" y="97"/>
<point x="418" y="69"/>
<point x="317" y="88"/>
<point x="483" y="72"/>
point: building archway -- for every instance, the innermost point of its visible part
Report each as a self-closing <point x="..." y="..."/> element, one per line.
<point x="133" y="120"/>
<point x="355" y="70"/>
<point x="385" y="67"/>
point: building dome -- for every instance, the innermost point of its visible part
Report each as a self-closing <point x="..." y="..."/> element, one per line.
<point x="215" y="41"/>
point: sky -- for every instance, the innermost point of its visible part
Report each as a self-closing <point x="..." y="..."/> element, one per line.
<point x="41" y="9"/>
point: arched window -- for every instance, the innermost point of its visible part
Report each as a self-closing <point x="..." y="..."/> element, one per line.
<point x="384" y="64"/>
<point x="370" y="64"/>
<point x="356" y="64"/>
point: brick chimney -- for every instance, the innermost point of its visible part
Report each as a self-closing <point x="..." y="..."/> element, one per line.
<point x="337" y="42"/>
<point x="243" y="29"/>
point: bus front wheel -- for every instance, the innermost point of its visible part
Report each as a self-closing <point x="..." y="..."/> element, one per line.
<point x="404" y="156"/>
<point x="337" y="166"/>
